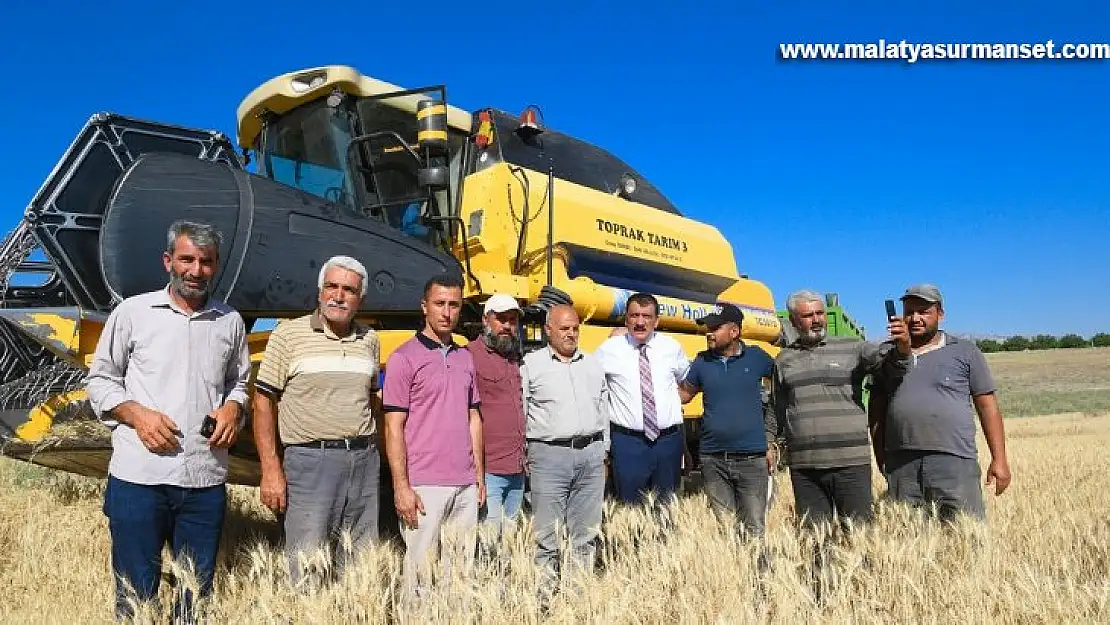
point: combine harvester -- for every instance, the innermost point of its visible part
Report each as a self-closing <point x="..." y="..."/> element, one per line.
<point x="346" y="164"/>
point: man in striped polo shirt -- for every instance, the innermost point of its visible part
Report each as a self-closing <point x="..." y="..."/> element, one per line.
<point x="318" y="392"/>
<point x="816" y="392"/>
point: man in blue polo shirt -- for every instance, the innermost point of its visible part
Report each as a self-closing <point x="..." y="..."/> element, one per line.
<point x="734" y="452"/>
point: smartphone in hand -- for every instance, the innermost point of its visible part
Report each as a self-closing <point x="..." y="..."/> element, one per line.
<point x="208" y="427"/>
<point x="891" y="310"/>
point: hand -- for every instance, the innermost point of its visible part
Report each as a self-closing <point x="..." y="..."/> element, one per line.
<point x="771" y="460"/>
<point x="157" y="431"/>
<point x="272" y="490"/>
<point x="481" y="484"/>
<point x="896" y="326"/>
<point x="998" y="473"/>
<point x="227" y="425"/>
<point x="409" y="506"/>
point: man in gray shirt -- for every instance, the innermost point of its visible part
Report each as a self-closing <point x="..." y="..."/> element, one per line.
<point x="923" y="427"/>
<point x="165" y="361"/>
<point x="816" y="393"/>
<point x="567" y="425"/>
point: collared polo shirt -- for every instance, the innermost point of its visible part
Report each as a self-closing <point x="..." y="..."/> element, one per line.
<point x="732" y="394"/>
<point x="435" y="384"/>
<point x="323" y="383"/>
<point x="620" y="359"/>
<point x="498" y="381"/>
<point x="183" y="365"/>
<point x="563" y="399"/>
<point x="931" y="409"/>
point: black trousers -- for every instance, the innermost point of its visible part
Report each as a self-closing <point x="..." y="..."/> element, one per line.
<point x="821" y="495"/>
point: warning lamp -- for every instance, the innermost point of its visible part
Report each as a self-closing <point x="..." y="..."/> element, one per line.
<point x="484" y="137"/>
<point x="626" y="187"/>
<point x="529" y="126"/>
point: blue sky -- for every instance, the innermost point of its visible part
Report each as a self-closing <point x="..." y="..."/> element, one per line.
<point x="989" y="178"/>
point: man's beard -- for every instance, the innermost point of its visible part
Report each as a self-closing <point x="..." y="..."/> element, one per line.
<point x="505" y="344"/>
<point x="177" y="283"/>
<point x="811" y="336"/>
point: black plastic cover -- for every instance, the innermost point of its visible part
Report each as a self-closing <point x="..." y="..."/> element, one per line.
<point x="67" y="211"/>
<point x="275" y="239"/>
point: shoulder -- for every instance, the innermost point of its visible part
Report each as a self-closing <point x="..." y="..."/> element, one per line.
<point x="786" y="354"/>
<point x="610" y="345"/>
<point x="757" y="352"/>
<point x="668" y="342"/>
<point x="135" y="303"/>
<point x="404" y="351"/>
<point x="964" y="347"/>
<point x="534" y="357"/>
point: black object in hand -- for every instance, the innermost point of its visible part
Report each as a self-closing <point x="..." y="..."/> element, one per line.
<point x="891" y="311"/>
<point x="208" y="427"/>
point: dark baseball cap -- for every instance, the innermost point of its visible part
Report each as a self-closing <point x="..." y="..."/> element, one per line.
<point x="728" y="313"/>
<point x="928" y="292"/>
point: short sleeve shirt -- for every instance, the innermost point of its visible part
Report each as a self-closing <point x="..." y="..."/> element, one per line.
<point x="323" y="383"/>
<point x="435" y="384"/>
<point x="931" y="409"/>
<point x="732" y="393"/>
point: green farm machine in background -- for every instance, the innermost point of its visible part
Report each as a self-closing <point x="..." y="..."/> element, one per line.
<point x="840" y="322"/>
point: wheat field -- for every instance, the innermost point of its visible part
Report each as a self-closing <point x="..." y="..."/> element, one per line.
<point x="1042" y="557"/>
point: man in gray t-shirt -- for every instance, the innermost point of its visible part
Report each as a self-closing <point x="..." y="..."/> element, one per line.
<point x="923" y="427"/>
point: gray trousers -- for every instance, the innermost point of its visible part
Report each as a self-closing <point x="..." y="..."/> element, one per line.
<point x="568" y="491"/>
<point x="923" y="478"/>
<point x="451" y="512"/>
<point x="736" y="485"/>
<point x="329" y="491"/>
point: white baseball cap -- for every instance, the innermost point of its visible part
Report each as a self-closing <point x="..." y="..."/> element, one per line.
<point x="500" y="303"/>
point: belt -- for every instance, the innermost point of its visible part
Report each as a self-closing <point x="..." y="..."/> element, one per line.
<point x="574" y="442"/>
<point x="729" y="455"/>
<point x="629" y="431"/>
<point x="355" y="442"/>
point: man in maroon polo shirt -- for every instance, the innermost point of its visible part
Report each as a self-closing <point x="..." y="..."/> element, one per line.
<point x="497" y="361"/>
<point x="433" y="437"/>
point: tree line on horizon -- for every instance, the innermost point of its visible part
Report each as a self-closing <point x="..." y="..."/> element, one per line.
<point x="1042" y="341"/>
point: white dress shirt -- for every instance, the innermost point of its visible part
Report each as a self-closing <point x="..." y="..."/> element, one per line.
<point x="620" y="359"/>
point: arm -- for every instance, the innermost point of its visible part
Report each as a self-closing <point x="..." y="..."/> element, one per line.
<point x="777" y="415"/>
<point x="395" y="403"/>
<point x="990" y="417"/>
<point x="272" y="488"/>
<point x="476" y="442"/>
<point x="231" y="417"/>
<point x="272" y="377"/>
<point x="108" y="392"/>
<point x="405" y="499"/>
<point x="982" y="386"/>
<point x="479" y="454"/>
<point x="690" y="385"/>
<point x="877" y="405"/>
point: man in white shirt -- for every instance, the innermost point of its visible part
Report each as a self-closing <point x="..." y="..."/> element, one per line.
<point x="642" y="371"/>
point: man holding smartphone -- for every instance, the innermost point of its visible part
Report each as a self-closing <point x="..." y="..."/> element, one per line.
<point x="166" y="481"/>
<point x="923" y="426"/>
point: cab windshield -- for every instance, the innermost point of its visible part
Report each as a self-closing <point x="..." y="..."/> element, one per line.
<point x="306" y="148"/>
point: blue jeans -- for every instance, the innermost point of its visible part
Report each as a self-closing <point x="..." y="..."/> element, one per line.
<point x="142" y="519"/>
<point x="504" y="497"/>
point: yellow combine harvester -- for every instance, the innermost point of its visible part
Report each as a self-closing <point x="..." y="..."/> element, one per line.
<point x="346" y="164"/>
